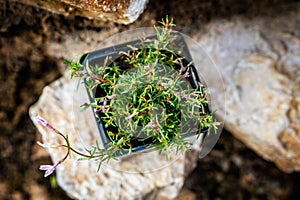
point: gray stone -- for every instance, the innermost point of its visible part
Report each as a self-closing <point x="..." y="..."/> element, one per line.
<point x="259" y="60"/>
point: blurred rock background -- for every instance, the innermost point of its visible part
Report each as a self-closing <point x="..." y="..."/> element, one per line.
<point x="32" y="43"/>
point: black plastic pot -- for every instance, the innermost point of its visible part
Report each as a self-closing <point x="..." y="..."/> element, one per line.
<point x="98" y="57"/>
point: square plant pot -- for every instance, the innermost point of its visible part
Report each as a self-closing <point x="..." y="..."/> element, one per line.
<point x="112" y="54"/>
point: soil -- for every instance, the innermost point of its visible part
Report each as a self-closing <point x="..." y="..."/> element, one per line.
<point x="230" y="171"/>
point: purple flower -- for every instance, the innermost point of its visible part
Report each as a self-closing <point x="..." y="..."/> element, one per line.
<point x="44" y="122"/>
<point x="49" y="169"/>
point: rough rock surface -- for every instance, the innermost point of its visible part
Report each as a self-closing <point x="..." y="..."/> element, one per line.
<point x="260" y="63"/>
<point x="143" y="176"/>
<point x="119" y="11"/>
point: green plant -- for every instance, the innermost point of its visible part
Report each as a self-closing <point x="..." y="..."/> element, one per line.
<point x="143" y="97"/>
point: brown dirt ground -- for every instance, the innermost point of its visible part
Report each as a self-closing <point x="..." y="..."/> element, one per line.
<point x="230" y="171"/>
